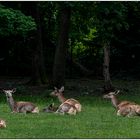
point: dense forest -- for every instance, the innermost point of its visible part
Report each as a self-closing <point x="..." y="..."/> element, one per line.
<point x="50" y="41"/>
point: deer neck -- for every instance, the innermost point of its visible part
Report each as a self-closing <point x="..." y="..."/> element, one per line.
<point x="12" y="103"/>
<point x="61" y="98"/>
<point x="115" y="101"/>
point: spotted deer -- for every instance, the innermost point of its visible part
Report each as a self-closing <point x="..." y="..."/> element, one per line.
<point x="124" y="108"/>
<point x="21" y="106"/>
<point x="62" y="109"/>
<point x="2" y="123"/>
<point x="70" y="106"/>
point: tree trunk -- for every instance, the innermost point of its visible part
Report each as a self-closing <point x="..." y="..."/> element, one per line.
<point x="60" y="54"/>
<point x="38" y="67"/>
<point x="108" y="84"/>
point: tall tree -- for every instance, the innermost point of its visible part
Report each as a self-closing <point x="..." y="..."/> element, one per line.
<point x="110" y="17"/>
<point x="106" y="73"/>
<point x="38" y="67"/>
<point x="60" y="54"/>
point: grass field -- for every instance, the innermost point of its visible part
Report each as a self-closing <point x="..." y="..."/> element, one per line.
<point x="98" y="118"/>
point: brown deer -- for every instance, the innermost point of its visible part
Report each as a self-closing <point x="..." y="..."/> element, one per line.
<point x="124" y="108"/>
<point x="2" y="123"/>
<point x="71" y="103"/>
<point x="21" y="106"/>
<point x="64" y="108"/>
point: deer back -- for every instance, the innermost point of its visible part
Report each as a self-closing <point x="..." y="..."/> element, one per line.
<point x="25" y="107"/>
<point x="74" y="103"/>
<point x="129" y="110"/>
<point x="125" y="103"/>
<point x="67" y="108"/>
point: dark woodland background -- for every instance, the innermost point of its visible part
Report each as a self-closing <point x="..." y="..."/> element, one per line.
<point x="52" y="41"/>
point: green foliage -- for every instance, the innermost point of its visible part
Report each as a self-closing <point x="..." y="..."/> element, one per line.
<point x="81" y="47"/>
<point x="92" y="23"/>
<point x="110" y="17"/>
<point x="49" y="14"/>
<point x="13" y="22"/>
<point x="91" y="35"/>
<point x="78" y="48"/>
<point x="86" y="51"/>
<point x="81" y="20"/>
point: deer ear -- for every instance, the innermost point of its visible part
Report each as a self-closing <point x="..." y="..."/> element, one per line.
<point x="14" y="90"/>
<point x="3" y="90"/>
<point x="116" y="92"/>
<point x="50" y="105"/>
<point x="61" y="89"/>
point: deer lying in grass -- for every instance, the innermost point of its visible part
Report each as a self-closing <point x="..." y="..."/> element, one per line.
<point x="70" y="106"/>
<point x="2" y="123"/>
<point x="21" y="106"/>
<point x="62" y="109"/>
<point x="124" y="108"/>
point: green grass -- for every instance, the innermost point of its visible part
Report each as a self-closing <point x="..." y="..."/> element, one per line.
<point x="98" y="119"/>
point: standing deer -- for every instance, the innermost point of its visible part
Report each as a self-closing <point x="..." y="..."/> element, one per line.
<point x="71" y="106"/>
<point x="124" y="108"/>
<point x="21" y="106"/>
<point x="2" y="123"/>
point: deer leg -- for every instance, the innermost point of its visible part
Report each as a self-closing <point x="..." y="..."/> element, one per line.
<point x="13" y="112"/>
<point x="36" y="110"/>
<point x="126" y="111"/>
<point x="23" y="110"/>
<point x="130" y="114"/>
<point x="72" y="111"/>
<point x="60" y="111"/>
<point x="118" y="113"/>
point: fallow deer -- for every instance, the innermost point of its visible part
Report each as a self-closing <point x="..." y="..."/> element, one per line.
<point x="64" y="108"/>
<point x="2" y="123"/>
<point x="21" y="106"/>
<point x="124" y="108"/>
<point x="67" y="104"/>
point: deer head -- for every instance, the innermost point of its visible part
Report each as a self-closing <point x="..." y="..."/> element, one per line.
<point x="9" y="92"/>
<point x="57" y="91"/>
<point x="59" y="94"/>
<point x="110" y="95"/>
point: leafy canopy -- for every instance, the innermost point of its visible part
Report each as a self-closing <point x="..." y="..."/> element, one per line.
<point x="13" y="22"/>
<point x="110" y="17"/>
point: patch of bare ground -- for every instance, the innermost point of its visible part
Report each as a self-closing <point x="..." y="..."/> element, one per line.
<point x="73" y="87"/>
